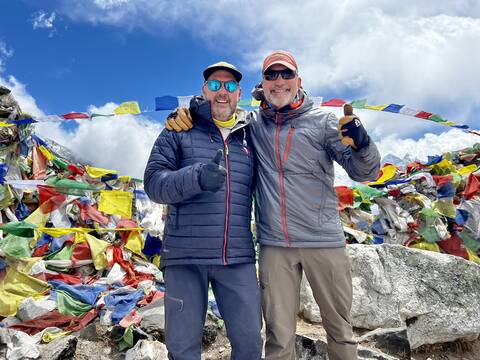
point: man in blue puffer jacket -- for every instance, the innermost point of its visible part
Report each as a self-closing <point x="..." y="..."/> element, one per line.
<point x="206" y="177"/>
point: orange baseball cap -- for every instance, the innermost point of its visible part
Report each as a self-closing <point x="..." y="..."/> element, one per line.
<point x="282" y="57"/>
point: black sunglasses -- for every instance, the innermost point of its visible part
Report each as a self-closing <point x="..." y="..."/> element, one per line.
<point x="272" y="75"/>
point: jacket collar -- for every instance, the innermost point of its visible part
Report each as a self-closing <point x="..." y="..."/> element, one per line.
<point x="200" y="111"/>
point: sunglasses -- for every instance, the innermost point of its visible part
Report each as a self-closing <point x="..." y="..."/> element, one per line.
<point x="215" y="85"/>
<point x="272" y="75"/>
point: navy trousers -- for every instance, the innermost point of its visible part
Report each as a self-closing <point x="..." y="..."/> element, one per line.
<point x="237" y="294"/>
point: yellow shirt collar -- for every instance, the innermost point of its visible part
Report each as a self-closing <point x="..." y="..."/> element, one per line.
<point x="230" y="123"/>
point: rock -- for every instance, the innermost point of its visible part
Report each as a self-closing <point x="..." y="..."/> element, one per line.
<point x="4" y="90"/>
<point x="59" y="349"/>
<point x="209" y="334"/>
<point x="435" y="296"/>
<point x="147" y="350"/>
<point x="153" y="319"/>
<point x="316" y="349"/>
<point x="93" y="332"/>
<point x="30" y="308"/>
<point x="391" y="341"/>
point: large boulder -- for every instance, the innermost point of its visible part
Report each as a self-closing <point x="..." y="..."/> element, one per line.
<point x="435" y="296"/>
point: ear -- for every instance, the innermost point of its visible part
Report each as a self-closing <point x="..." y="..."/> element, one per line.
<point x="299" y="82"/>
<point x="239" y="93"/>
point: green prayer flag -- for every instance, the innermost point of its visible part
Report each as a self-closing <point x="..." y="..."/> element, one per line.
<point x="429" y="234"/>
<point x="64" y="254"/>
<point x="16" y="246"/>
<point x="359" y="104"/>
<point x="126" y="341"/>
<point x="19" y="228"/>
<point x="60" y="163"/>
<point x="67" y="305"/>
<point x="470" y="242"/>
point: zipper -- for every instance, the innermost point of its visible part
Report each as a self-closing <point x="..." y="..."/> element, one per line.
<point x="281" y="178"/>
<point x="225" y="234"/>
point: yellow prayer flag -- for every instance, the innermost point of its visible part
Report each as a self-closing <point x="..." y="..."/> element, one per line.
<point x="51" y="335"/>
<point x="388" y="172"/>
<point x="98" y="249"/>
<point x="468" y="169"/>
<point x="423" y="245"/>
<point x="473" y="257"/>
<point x="46" y="152"/>
<point x="40" y="219"/>
<point x="116" y="202"/>
<point x="17" y="286"/>
<point x="255" y="102"/>
<point x="135" y="243"/>
<point x="95" y="172"/>
<point x="376" y="107"/>
<point x="124" y="178"/>
<point x="5" y="124"/>
<point x="57" y="232"/>
<point x="129" y="107"/>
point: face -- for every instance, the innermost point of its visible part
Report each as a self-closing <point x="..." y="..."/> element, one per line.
<point x="223" y="103"/>
<point x="281" y="92"/>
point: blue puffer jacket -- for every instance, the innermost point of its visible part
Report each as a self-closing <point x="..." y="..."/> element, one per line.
<point x="203" y="227"/>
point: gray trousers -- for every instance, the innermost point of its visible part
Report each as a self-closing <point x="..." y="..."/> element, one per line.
<point x="329" y="275"/>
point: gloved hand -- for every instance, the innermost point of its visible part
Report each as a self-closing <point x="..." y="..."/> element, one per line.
<point x="351" y="130"/>
<point x="212" y="175"/>
<point x="179" y="120"/>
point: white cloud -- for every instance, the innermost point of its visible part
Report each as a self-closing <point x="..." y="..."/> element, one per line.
<point x="421" y="54"/>
<point x="121" y="143"/>
<point x="5" y="53"/>
<point x="43" y="20"/>
<point x="25" y="100"/>
<point x="428" y="145"/>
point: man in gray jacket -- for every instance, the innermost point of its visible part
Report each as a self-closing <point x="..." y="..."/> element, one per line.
<point x="298" y="224"/>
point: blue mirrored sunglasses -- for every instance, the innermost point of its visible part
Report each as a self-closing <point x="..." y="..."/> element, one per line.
<point x="215" y="85"/>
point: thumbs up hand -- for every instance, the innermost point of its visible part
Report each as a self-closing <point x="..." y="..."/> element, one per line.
<point x="212" y="175"/>
<point x="351" y="130"/>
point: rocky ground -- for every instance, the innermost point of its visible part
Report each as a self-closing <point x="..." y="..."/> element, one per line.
<point x="95" y="342"/>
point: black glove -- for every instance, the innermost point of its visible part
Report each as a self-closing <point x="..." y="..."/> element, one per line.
<point x="355" y="130"/>
<point x="212" y="175"/>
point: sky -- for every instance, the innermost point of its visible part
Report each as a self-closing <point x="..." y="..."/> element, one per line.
<point x="59" y="56"/>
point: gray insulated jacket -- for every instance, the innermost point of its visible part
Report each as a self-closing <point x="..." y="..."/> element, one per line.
<point x="295" y="200"/>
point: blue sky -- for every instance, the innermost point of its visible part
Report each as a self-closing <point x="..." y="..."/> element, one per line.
<point x="59" y="56"/>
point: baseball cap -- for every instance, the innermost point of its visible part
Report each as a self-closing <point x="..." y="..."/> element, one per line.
<point x="222" y="65"/>
<point x="282" y="57"/>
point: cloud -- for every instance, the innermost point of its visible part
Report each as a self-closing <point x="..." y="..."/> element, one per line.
<point x="27" y="103"/>
<point x="5" y="53"/>
<point x="420" y="54"/>
<point x="43" y="20"/>
<point x="124" y="142"/>
<point x="428" y="145"/>
<point x="121" y="143"/>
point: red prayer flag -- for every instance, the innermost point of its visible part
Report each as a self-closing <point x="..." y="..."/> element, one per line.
<point x="39" y="164"/>
<point x="334" y="102"/>
<point x="76" y="169"/>
<point x="49" y="199"/>
<point x="423" y="115"/>
<point x="454" y="246"/>
<point x="473" y="186"/>
<point x="75" y="115"/>
<point x="345" y="196"/>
